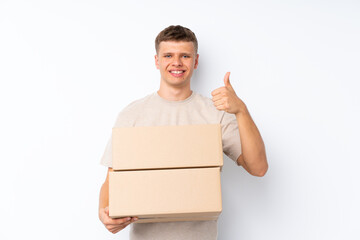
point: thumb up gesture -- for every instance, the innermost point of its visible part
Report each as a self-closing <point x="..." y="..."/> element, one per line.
<point x="225" y="98"/>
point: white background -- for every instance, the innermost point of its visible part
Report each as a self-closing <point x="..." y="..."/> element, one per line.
<point x="68" y="67"/>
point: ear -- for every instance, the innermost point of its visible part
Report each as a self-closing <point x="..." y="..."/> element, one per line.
<point x="196" y="61"/>
<point x="157" y="61"/>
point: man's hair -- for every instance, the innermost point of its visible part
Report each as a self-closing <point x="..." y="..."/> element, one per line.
<point x="176" y="33"/>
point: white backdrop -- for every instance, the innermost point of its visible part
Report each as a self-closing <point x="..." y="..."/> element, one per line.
<point x="68" y="67"/>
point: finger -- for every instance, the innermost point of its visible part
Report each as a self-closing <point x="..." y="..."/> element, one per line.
<point x="227" y="79"/>
<point x="126" y="220"/>
<point x="110" y="221"/>
<point x="124" y="225"/>
<point x="107" y="211"/>
<point x="218" y="91"/>
<point x="220" y="107"/>
<point x="219" y="102"/>
<point x="111" y="227"/>
<point x="227" y="82"/>
<point x="118" y="226"/>
<point x="217" y="97"/>
<point x="116" y="230"/>
<point x="120" y="220"/>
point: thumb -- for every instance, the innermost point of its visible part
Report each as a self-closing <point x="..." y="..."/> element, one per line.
<point x="107" y="210"/>
<point x="227" y="80"/>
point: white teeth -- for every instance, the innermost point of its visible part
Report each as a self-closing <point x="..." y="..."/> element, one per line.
<point x="177" y="72"/>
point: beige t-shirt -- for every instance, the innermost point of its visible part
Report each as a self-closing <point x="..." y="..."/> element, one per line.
<point x="153" y="110"/>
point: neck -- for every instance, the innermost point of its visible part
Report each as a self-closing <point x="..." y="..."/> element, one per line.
<point x="174" y="93"/>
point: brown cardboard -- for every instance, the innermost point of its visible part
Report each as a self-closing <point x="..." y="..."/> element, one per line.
<point x="159" y="147"/>
<point x="168" y="219"/>
<point x="191" y="194"/>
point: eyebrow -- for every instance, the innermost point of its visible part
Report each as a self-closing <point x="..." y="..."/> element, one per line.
<point x="181" y="54"/>
<point x="185" y="53"/>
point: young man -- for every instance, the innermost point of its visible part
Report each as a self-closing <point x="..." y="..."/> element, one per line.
<point x="176" y="104"/>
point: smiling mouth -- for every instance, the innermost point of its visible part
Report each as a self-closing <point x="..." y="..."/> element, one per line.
<point x="177" y="71"/>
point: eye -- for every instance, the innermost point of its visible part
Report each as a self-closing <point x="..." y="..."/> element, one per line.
<point x="186" y="56"/>
<point x="167" y="56"/>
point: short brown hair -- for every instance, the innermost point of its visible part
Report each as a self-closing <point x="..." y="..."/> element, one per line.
<point x="176" y="33"/>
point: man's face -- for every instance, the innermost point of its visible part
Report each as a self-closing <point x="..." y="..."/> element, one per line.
<point x="176" y="62"/>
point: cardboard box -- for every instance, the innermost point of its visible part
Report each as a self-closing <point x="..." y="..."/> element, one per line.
<point x="191" y="194"/>
<point x="162" y="147"/>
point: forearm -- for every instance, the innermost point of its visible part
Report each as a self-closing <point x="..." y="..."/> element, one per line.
<point x="113" y="225"/>
<point x="104" y="192"/>
<point x="252" y="145"/>
<point x="104" y="196"/>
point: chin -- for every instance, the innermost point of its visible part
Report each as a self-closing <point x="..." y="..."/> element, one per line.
<point x="177" y="84"/>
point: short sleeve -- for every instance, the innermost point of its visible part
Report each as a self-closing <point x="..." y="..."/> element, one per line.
<point x="106" y="158"/>
<point x="121" y="121"/>
<point x="124" y="119"/>
<point x="230" y="136"/>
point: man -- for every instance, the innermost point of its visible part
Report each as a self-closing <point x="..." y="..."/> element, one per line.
<point x="176" y="104"/>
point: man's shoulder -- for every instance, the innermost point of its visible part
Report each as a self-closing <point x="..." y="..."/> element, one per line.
<point x="202" y="98"/>
<point x="138" y="103"/>
<point x="132" y="111"/>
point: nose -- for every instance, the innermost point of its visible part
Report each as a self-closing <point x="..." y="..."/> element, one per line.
<point x="177" y="61"/>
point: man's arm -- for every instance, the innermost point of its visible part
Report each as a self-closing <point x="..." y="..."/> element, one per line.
<point x="253" y="157"/>
<point x="113" y="225"/>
